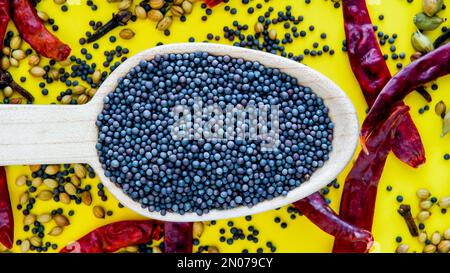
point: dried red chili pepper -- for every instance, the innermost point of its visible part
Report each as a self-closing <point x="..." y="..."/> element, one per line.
<point x="4" y="18"/>
<point x="360" y="189"/>
<point x="372" y="73"/>
<point x="34" y="32"/>
<point x="429" y="67"/>
<point x="112" y="237"/>
<point x="6" y="214"/>
<point x="177" y="237"/>
<point x="212" y="3"/>
<point x="317" y="211"/>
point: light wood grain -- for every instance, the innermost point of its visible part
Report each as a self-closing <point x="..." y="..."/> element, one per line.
<point x="38" y="134"/>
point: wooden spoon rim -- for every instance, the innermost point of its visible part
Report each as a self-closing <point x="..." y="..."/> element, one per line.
<point x="342" y="113"/>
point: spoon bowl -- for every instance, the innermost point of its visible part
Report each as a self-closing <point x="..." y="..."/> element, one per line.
<point x="57" y="134"/>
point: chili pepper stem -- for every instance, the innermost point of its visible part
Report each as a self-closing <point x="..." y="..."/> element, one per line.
<point x="424" y="93"/>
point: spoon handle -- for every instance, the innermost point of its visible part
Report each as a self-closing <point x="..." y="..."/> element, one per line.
<point x="47" y="134"/>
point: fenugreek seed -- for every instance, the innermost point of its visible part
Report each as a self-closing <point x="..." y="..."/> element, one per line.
<point x="35" y="168"/>
<point x="401" y="248"/>
<point x="259" y="27"/>
<point x="176" y="11"/>
<point x="447" y="234"/>
<point x="97" y="76"/>
<point x="155" y="15"/>
<point x="272" y="34"/>
<point x="140" y="12"/>
<point x="44" y="16"/>
<point x="21" y="180"/>
<point x="54" y="74"/>
<point x="156" y="249"/>
<point x="444" y="246"/>
<point x="6" y="63"/>
<point x="36" y="241"/>
<point x="6" y="51"/>
<point x="422" y="237"/>
<point x="18" y="54"/>
<point x="66" y="62"/>
<point x="78" y="90"/>
<point x="64" y="198"/>
<point x="132" y="249"/>
<point x="44" y="218"/>
<point x="23" y="198"/>
<point x="444" y="202"/>
<point x="52" y="169"/>
<point x="70" y="188"/>
<point x="25" y="246"/>
<point x="197" y="229"/>
<point x="126" y="34"/>
<point x="99" y="212"/>
<point x="423" y="215"/>
<point x="45" y="195"/>
<point x="426" y="204"/>
<point x="36" y="182"/>
<point x="8" y="91"/>
<point x="13" y="62"/>
<point x="80" y="171"/>
<point x="156" y="4"/>
<point x="56" y="231"/>
<point x="423" y="194"/>
<point x="178" y="2"/>
<point x="15" y="42"/>
<point x="82" y="99"/>
<point x="125" y="4"/>
<point x="429" y="248"/>
<point x="59" y="2"/>
<point x="61" y="220"/>
<point x="37" y="71"/>
<point x="51" y="183"/>
<point x="86" y="198"/>
<point x="91" y="92"/>
<point x="34" y="60"/>
<point x="164" y="23"/>
<point x="66" y="99"/>
<point x="213" y="249"/>
<point x="29" y="219"/>
<point x="187" y="7"/>
<point x="435" y="238"/>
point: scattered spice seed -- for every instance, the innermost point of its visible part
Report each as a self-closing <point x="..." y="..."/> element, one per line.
<point x="126" y="34"/>
<point x="99" y="212"/>
<point x="423" y="215"/>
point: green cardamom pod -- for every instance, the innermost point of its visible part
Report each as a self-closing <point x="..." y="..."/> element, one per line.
<point x="446" y="125"/>
<point x="421" y="42"/>
<point x="431" y="7"/>
<point x="424" y="22"/>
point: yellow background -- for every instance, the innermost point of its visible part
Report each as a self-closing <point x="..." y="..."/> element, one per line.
<point x="300" y="235"/>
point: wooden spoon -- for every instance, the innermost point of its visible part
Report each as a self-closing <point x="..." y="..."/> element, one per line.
<point x="56" y="134"/>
